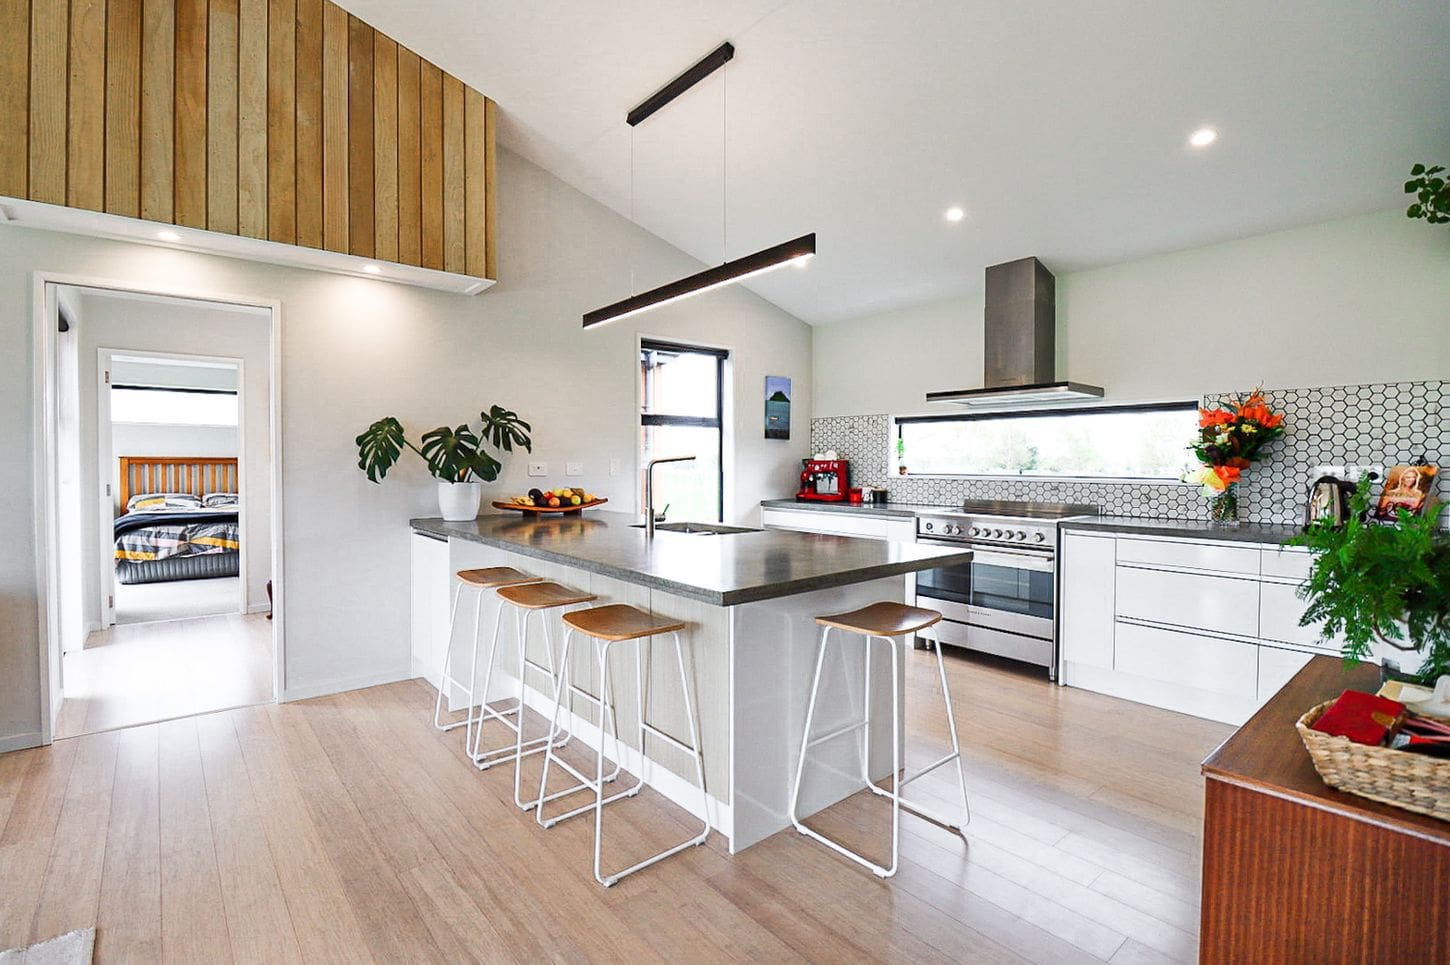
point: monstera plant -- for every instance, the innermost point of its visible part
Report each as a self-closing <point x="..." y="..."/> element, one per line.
<point x="456" y="456"/>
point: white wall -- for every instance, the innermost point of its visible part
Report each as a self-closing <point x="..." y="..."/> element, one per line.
<point x="1352" y="301"/>
<point x="357" y="349"/>
<point x="184" y="328"/>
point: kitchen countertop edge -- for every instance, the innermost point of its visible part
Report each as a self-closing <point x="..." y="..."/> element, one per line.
<point x="439" y="529"/>
<point x="1261" y="533"/>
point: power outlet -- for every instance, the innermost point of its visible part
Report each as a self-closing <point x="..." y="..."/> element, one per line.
<point x="573" y="468"/>
<point x="616" y="466"/>
<point x="538" y="469"/>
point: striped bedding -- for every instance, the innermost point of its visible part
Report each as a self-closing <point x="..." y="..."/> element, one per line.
<point x="162" y="534"/>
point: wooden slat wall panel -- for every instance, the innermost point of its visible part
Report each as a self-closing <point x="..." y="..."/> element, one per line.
<point x="252" y="119"/>
<point x="430" y="112"/>
<point x="334" y="128"/>
<point x="86" y="120"/>
<point x="490" y="189"/>
<point x="385" y="148"/>
<point x="221" y="117"/>
<point x="283" y="119"/>
<point x="475" y="213"/>
<point x="309" y="123"/>
<point x="360" y="137"/>
<point x="282" y="86"/>
<point x="410" y="161"/>
<point x="15" y="98"/>
<point x="191" y="122"/>
<point x="158" y="108"/>
<point x="453" y="194"/>
<point x="123" y="107"/>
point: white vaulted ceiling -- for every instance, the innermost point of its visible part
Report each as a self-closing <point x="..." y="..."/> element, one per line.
<point x="1060" y="126"/>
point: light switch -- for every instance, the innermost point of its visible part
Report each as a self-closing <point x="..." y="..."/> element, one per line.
<point x="573" y="468"/>
<point x="538" y="469"/>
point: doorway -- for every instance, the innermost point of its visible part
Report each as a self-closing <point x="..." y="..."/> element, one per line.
<point x="161" y="478"/>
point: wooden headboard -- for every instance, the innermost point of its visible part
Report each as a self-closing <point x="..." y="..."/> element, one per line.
<point x="197" y="475"/>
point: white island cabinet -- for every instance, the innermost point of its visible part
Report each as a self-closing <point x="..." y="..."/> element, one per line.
<point x="835" y="522"/>
<point x="1206" y="627"/>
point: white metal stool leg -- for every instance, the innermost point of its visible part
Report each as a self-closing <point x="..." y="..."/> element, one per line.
<point x="447" y="683"/>
<point x="605" y="703"/>
<point x="596" y="784"/>
<point x="899" y="779"/>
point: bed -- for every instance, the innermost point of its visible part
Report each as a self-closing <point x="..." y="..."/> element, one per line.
<point x="179" y="519"/>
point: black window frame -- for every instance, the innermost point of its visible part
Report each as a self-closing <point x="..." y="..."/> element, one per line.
<point x="717" y="423"/>
<point x="1043" y="413"/>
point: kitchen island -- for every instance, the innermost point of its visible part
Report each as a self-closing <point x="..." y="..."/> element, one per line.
<point x="749" y="598"/>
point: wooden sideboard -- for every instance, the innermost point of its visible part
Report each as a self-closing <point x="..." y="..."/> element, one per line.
<point x="1294" y="871"/>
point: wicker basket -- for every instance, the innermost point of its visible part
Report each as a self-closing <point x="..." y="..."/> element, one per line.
<point x="1415" y="782"/>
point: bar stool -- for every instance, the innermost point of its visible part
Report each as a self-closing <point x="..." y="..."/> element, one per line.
<point x="892" y="622"/>
<point x="479" y="582"/>
<point x="608" y="625"/>
<point x="526" y="599"/>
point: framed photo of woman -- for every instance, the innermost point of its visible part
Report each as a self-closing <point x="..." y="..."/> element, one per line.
<point x="1407" y="488"/>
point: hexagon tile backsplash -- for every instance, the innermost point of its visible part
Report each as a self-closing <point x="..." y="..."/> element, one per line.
<point x="1380" y="424"/>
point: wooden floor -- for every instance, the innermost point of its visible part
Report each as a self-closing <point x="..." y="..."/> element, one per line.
<point x="156" y="671"/>
<point x="346" y="829"/>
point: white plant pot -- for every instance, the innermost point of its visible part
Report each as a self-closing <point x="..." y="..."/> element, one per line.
<point x="459" y="501"/>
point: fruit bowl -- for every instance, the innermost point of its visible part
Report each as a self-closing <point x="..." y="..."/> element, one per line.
<point x="534" y="502"/>
<point x="540" y="510"/>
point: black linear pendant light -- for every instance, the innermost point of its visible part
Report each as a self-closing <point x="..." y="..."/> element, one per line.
<point x="738" y="269"/>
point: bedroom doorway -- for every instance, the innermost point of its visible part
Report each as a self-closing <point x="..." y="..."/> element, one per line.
<point x="164" y="507"/>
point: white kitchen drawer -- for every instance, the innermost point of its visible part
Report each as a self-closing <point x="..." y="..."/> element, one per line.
<point x="1276" y="667"/>
<point x="1286" y="564"/>
<point x="1196" y="601"/>
<point x="839" y="524"/>
<point x="1216" y="557"/>
<point x="1279" y="612"/>
<point x="1086" y="626"/>
<point x="1187" y="660"/>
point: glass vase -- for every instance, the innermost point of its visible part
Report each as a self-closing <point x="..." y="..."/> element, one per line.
<point x="1224" y="508"/>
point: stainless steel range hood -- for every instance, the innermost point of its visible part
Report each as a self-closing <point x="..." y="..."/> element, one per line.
<point x="1021" y="344"/>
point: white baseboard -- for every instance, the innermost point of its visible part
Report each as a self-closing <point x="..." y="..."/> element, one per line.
<point x="342" y="684"/>
<point x="18" y="742"/>
<point x="258" y="608"/>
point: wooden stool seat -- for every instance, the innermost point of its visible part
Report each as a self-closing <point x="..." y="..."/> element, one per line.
<point x="542" y="596"/>
<point x="882" y="620"/>
<point x="492" y="576"/>
<point x="619" y="621"/>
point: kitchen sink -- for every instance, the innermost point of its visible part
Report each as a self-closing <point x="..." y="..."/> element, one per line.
<point x="699" y="529"/>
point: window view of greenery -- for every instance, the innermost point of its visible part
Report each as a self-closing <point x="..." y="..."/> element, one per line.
<point x="1129" y="444"/>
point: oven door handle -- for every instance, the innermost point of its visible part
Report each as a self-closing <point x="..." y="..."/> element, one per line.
<point x="1023" y="559"/>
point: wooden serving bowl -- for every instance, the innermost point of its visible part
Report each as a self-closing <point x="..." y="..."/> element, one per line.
<point x="539" y="510"/>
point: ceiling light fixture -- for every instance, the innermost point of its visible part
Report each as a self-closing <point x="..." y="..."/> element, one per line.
<point x="168" y="235"/>
<point x="797" y="251"/>
<point x="954" y="215"/>
<point x="1203" y="137"/>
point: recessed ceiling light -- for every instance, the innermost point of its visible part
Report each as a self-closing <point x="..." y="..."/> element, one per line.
<point x="1203" y="137"/>
<point x="954" y="215"/>
<point x="372" y="269"/>
<point x="168" y="235"/>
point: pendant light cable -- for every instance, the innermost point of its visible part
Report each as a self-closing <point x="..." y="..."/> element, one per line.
<point x="724" y="157"/>
<point x="633" y="244"/>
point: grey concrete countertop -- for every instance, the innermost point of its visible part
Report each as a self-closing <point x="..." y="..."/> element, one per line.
<point x="719" y="570"/>
<point x="1269" y="533"/>
<point x="887" y="511"/>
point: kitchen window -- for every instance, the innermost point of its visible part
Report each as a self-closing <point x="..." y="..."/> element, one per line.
<point x="1108" y="442"/>
<point x="681" y="395"/>
<point x="145" y="405"/>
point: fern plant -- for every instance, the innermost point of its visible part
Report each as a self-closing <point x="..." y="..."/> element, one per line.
<point x="455" y="454"/>
<point x="1381" y="582"/>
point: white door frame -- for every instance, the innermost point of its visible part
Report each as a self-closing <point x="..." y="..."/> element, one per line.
<point x="44" y="318"/>
<point x="105" y="453"/>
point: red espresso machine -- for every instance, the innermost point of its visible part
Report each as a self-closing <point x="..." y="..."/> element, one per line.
<point x="824" y="481"/>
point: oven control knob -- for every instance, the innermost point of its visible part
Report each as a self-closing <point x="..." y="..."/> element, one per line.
<point x="929" y="527"/>
<point x="976" y="531"/>
<point x="996" y="534"/>
<point x="953" y="529"/>
<point x="1039" y="538"/>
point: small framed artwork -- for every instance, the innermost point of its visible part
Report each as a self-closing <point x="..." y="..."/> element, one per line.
<point x="1407" y="488"/>
<point x="777" y="407"/>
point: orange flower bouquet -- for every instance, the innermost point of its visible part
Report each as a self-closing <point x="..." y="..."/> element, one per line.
<point x="1230" y="439"/>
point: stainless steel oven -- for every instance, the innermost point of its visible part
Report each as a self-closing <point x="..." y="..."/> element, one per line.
<point x="1004" y="601"/>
